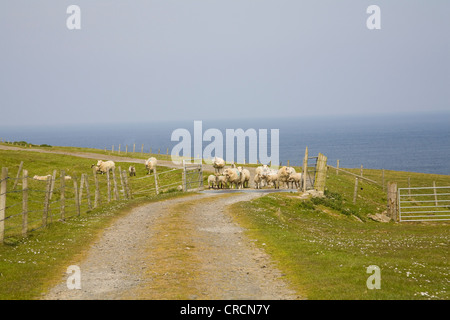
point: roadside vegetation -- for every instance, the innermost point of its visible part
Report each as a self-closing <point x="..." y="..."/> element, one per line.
<point x="30" y="264"/>
<point x="324" y="245"/>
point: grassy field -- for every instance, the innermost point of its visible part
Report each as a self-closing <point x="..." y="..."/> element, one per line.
<point x="29" y="265"/>
<point x="324" y="245"/>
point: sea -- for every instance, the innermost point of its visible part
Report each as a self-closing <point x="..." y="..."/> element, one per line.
<point x="402" y="142"/>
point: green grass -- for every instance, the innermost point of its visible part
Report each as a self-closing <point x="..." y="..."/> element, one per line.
<point x="30" y="265"/>
<point x="44" y="163"/>
<point x="325" y="245"/>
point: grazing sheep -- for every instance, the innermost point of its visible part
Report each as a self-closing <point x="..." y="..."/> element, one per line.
<point x="41" y="178"/>
<point x="132" y="171"/>
<point x="105" y="166"/>
<point x="212" y="181"/>
<point x="67" y="178"/>
<point x="233" y="177"/>
<point x="218" y="164"/>
<point x="296" y="180"/>
<point x="150" y="164"/>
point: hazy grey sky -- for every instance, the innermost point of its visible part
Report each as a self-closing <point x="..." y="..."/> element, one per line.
<point x="203" y="59"/>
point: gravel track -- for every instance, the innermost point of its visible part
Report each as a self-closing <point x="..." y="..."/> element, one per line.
<point x="184" y="248"/>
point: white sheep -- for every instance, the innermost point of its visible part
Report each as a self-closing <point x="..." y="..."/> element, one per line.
<point x="42" y="178"/>
<point x="257" y="179"/>
<point x="233" y="177"/>
<point x="273" y="178"/>
<point x="150" y="164"/>
<point x="132" y="171"/>
<point x="245" y="176"/>
<point x="262" y="172"/>
<point x="212" y="181"/>
<point x="296" y="180"/>
<point x="222" y="182"/>
<point x="218" y="164"/>
<point x="283" y="175"/>
<point x="105" y="166"/>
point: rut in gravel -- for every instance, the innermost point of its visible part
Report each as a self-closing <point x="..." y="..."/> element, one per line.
<point x="184" y="248"/>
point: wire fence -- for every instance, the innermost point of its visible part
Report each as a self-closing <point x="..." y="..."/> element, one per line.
<point x="30" y="203"/>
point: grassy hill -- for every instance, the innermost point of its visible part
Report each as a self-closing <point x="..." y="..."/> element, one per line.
<point x="323" y="245"/>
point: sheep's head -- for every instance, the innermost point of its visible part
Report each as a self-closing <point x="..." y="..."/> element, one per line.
<point x="99" y="162"/>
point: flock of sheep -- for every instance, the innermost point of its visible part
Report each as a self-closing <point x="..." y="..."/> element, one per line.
<point x="105" y="166"/>
<point x="223" y="177"/>
<point x="264" y="176"/>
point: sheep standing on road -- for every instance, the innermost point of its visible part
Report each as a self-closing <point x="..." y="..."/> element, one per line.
<point x="273" y="178"/>
<point x="245" y="176"/>
<point x="296" y="180"/>
<point x="212" y="181"/>
<point x="218" y="164"/>
<point x="222" y="182"/>
<point x="257" y="179"/>
<point x="283" y="175"/>
<point x="233" y="177"/>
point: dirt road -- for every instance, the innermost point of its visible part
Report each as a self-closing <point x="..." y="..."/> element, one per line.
<point x="185" y="248"/>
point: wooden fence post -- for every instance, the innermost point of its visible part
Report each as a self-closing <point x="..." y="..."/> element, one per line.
<point x="108" y="183"/>
<point x="18" y="175"/>
<point x="3" y="178"/>
<point x="142" y="148"/>
<point x="392" y="200"/>
<point x="119" y="149"/>
<point x="355" y="191"/>
<point x="112" y="149"/>
<point x="80" y="190"/>
<point x="46" y="202"/>
<point x="77" y="196"/>
<point x="127" y="185"/>
<point x="97" y="189"/>
<point x="126" y="149"/>
<point x="337" y="167"/>
<point x="116" y="192"/>
<point x="88" y="192"/>
<point x="134" y="147"/>
<point x="321" y="173"/>
<point x="63" y="194"/>
<point x="121" y="183"/>
<point x="53" y="184"/>
<point x="382" y="180"/>
<point x="305" y="169"/>
<point x="361" y="171"/>
<point x="156" y="180"/>
<point x="24" y="202"/>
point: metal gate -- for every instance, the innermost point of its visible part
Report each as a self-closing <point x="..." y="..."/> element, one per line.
<point x="192" y="176"/>
<point x="424" y="204"/>
<point x="311" y="171"/>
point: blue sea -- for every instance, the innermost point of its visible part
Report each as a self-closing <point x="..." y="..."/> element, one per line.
<point x="415" y="143"/>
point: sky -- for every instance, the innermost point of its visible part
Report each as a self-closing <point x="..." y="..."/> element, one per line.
<point x="152" y="61"/>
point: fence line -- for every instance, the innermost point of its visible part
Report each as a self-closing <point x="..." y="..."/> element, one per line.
<point x="38" y="206"/>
